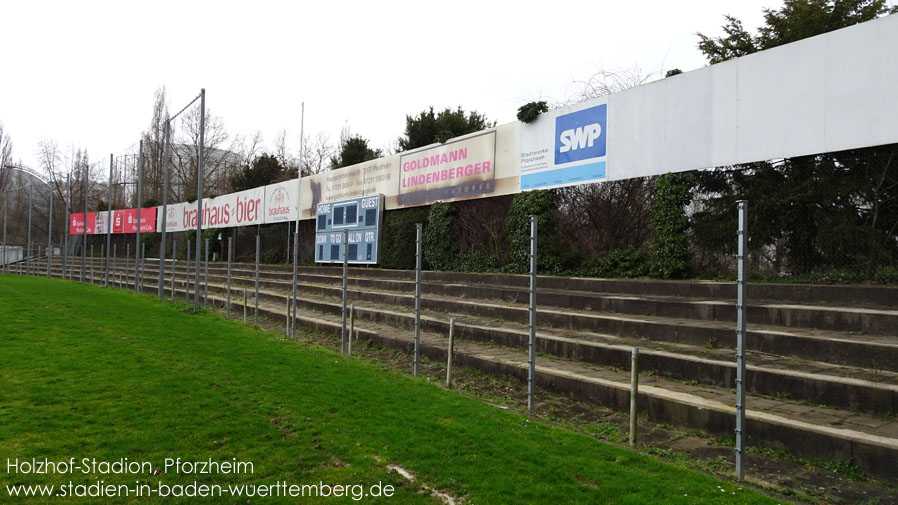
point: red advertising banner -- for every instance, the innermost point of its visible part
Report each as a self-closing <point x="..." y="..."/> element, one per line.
<point x="147" y="220"/>
<point x="76" y="223"/>
<point x="123" y="221"/>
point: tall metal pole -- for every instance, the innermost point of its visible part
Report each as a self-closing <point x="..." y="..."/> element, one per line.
<point x="164" y="214"/>
<point x="84" y="230"/>
<point x="108" y="222"/>
<point x="199" y="198"/>
<point x="419" y="229"/>
<point x="531" y="358"/>
<point x="50" y="234"/>
<point x="139" y="205"/>
<point x="258" y="248"/>
<point x="65" y="230"/>
<point x="28" y="251"/>
<point x="741" y="301"/>
<point x="296" y="231"/>
<point x="345" y="290"/>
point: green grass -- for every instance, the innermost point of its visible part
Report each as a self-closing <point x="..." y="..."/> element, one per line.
<point x="87" y="372"/>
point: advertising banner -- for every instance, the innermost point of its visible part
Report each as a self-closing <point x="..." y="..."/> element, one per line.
<point x="128" y="218"/>
<point x="565" y="146"/>
<point x="100" y="223"/>
<point x="432" y="179"/>
<point x="76" y="223"/>
<point x="454" y="169"/>
<point x="281" y="202"/>
<point x="370" y="177"/>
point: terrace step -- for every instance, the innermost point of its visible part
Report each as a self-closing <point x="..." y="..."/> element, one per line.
<point x="870" y="441"/>
<point x="690" y="385"/>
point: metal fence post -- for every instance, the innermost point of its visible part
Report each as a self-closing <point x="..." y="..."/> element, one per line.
<point x="229" y="276"/>
<point x="187" y="275"/>
<point x="143" y="257"/>
<point x="244" y="306"/>
<point x="449" y="353"/>
<point x="741" y="301"/>
<point x="258" y="249"/>
<point x="345" y="291"/>
<point x="91" y="263"/>
<point x="531" y="359"/>
<point x="418" y="230"/>
<point x="351" y="327"/>
<point x="634" y="393"/>
<point x="174" y="266"/>
<point x="206" y="277"/>
<point x="114" y="253"/>
<point x="5" y="265"/>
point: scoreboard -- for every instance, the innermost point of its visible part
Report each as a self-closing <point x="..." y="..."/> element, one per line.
<point x="361" y="217"/>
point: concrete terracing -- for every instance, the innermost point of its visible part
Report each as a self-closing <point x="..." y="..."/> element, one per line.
<point x="822" y="367"/>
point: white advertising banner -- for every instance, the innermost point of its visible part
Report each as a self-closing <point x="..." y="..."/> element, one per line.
<point x="235" y="209"/>
<point x="565" y="146"/>
<point x="281" y="202"/>
<point x="822" y="94"/>
<point x="101" y="227"/>
<point x="370" y="177"/>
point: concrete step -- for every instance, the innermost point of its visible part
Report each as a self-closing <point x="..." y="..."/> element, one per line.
<point x="874" y="352"/>
<point x="806" y="430"/>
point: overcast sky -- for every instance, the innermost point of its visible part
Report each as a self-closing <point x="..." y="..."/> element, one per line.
<point x="84" y="73"/>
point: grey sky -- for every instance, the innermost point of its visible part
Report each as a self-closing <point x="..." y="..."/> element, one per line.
<point x="84" y="73"/>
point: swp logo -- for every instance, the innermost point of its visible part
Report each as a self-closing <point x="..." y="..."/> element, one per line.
<point x="581" y="135"/>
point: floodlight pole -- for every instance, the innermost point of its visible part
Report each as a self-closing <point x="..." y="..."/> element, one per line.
<point x="139" y="205"/>
<point x="65" y="230"/>
<point x="108" y="223"/>
<point x="50" y="234"/>
<point x="296" y="231"/>
<point x="28" y="251"/>
<point x="199" y="200"/>
<point x="164" y="212"/>
<point x="84" y="228"/>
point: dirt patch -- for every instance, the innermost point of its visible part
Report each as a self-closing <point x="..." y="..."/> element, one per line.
<point x="774" y="472"/>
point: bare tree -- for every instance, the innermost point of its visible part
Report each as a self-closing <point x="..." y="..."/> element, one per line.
<point x="220" y="158"/>
<point x="154" y="148"/>
<point x="5" y="158"/>
<point x="317" y="154"/>
<point x="605" y="82"/>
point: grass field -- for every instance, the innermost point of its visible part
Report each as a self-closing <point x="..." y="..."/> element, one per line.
<point x="105" y="374"/>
